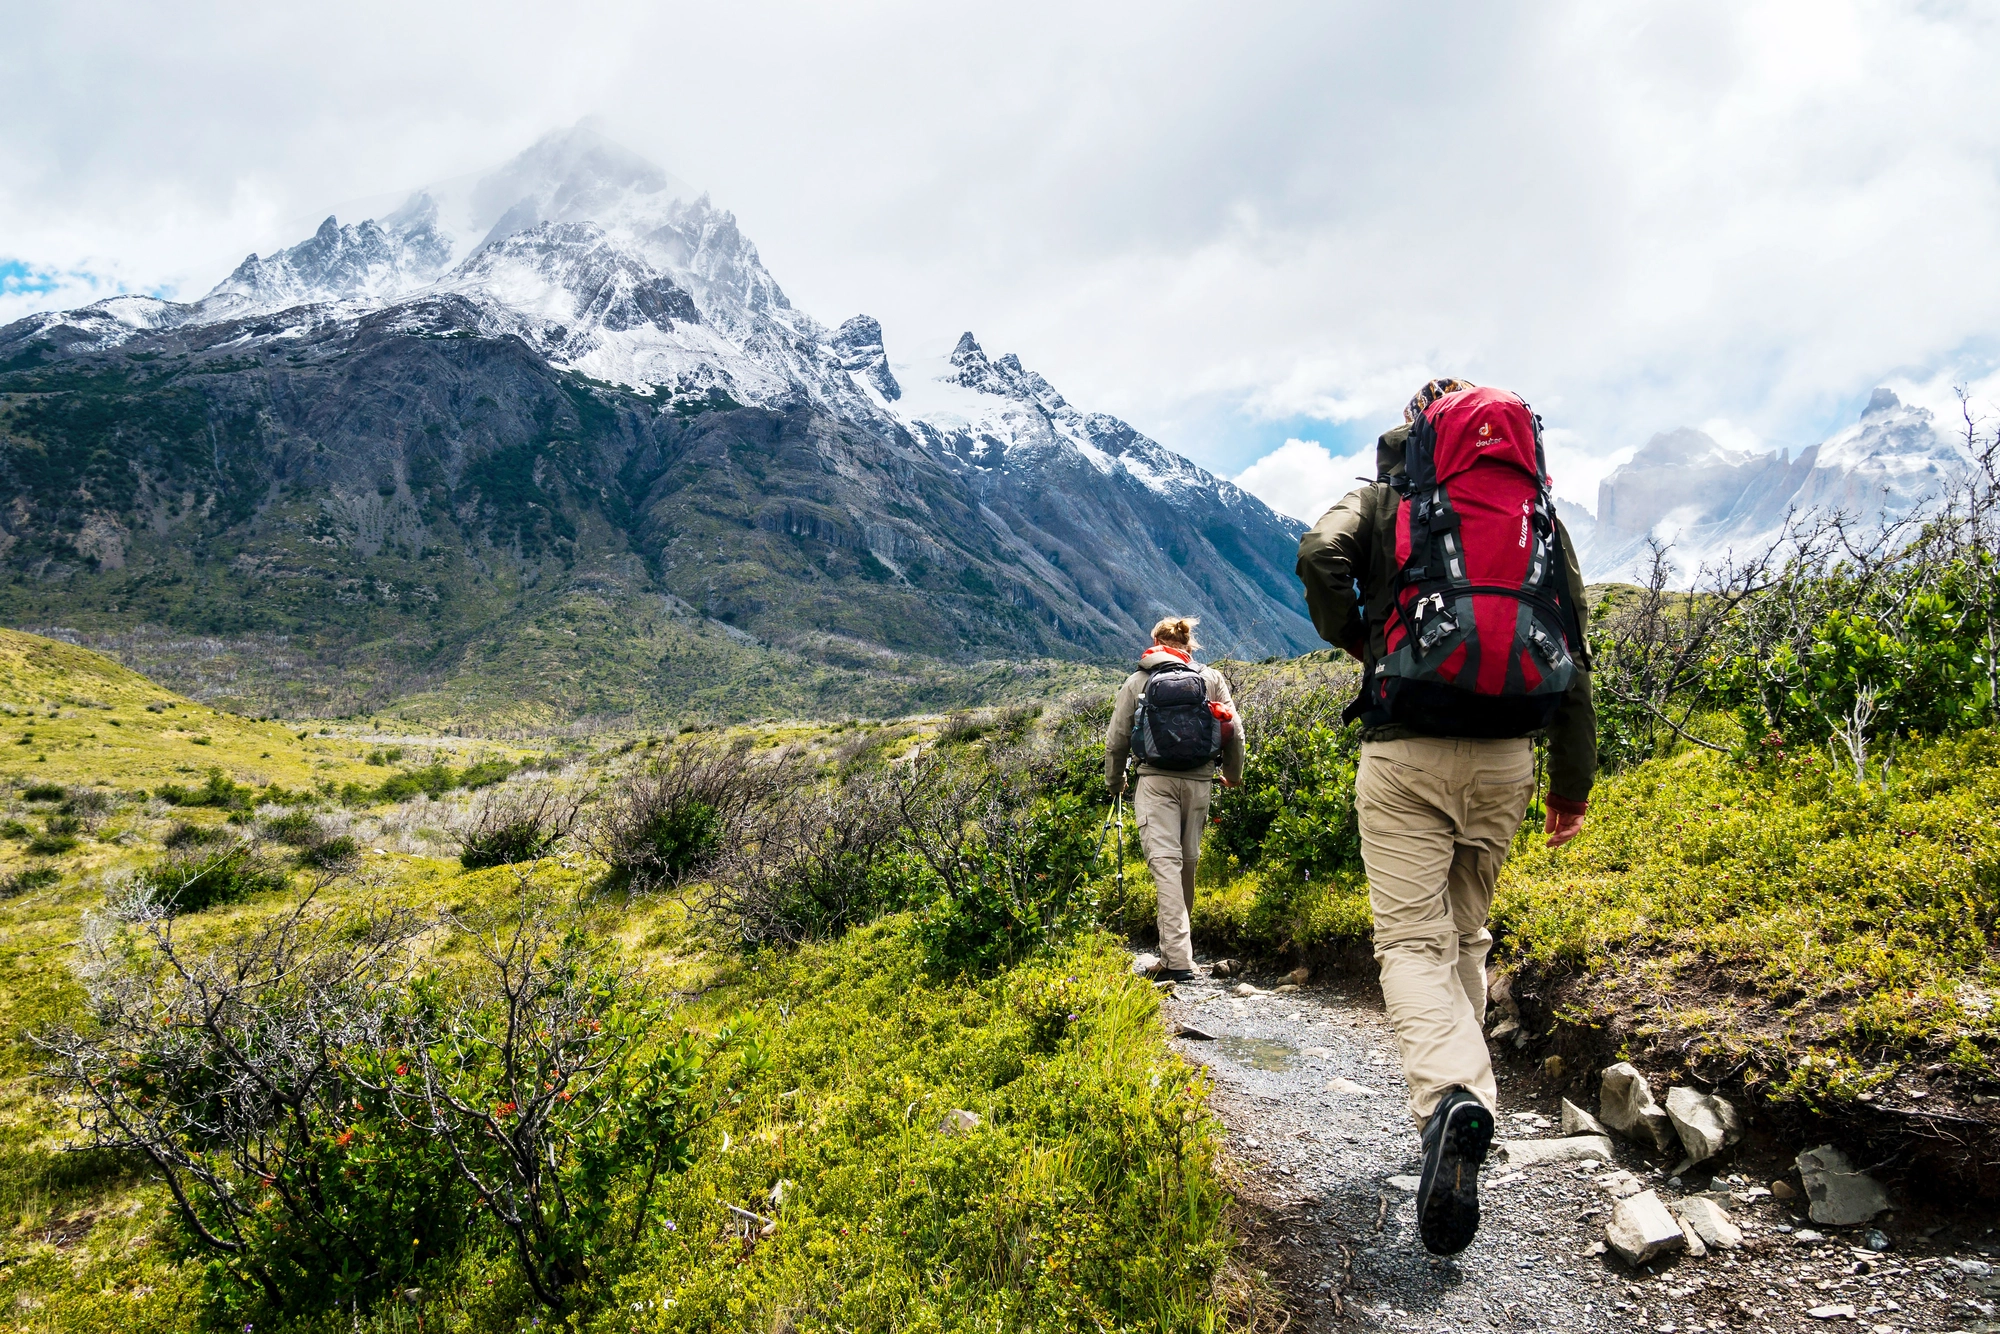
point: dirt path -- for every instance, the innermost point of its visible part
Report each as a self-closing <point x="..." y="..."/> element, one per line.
<point x="1329" y="1180"/>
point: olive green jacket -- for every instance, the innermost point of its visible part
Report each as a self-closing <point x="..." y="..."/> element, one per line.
<point x="1354" y="543"/>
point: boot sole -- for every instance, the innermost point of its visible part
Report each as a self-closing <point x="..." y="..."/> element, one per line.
<point x="1451" y="1211"/>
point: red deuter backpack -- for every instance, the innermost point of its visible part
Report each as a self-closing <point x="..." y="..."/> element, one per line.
<point x="1480" y="635"/>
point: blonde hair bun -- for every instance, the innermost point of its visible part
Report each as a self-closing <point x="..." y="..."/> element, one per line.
<point x="1177" y="630"/>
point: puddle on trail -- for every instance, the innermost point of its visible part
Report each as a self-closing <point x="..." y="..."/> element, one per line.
<point x="1258" y="1053"/>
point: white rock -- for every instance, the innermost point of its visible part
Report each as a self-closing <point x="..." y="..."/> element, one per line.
<point x="1342" y="1084"/>
<point x="1838" y="1194"/>
<point x="1641" y="1229"/>
<point x="1406" y="1183"/>
<point x="1298" y="977"/>
<point x="1706" y="1124"/>
<point x="1530" y="1152"/>
<point x="1695" y="1245"/>
<point x="958" y="1121"/>
<point x="1145" y="963"/>
<point x="1832" y="1311"/>
<point x="1506" y="1028"/>
<point x="1625" y="1103"/>
<point x="1320" y="1053"/>
<point x="1618" y="1184"/>
<point x="1576" y="1121"/>
<point x="1710" y="1221"/>
<point x="1245" y="989"/>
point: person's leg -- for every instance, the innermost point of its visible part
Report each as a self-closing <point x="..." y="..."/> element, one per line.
<point x="1156" y="802"/>
<point x="1195" y="796"/>
<point x="1470" y="894"/>
<point x="1407" y="803"/>
<point x="1502" y="777"/>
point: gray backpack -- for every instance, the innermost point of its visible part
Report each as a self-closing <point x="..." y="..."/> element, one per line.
<point x="1173" y="727"/>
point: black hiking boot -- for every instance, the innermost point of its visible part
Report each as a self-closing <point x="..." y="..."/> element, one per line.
<point x="1176" y="974"/>
<point x="1456" y="1139"/>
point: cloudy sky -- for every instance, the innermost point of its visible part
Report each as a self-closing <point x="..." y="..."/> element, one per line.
<point x="1251" y="230"/>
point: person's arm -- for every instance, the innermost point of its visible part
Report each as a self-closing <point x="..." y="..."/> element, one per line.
<point x="1332" y="556"/>
<point x="1233" y="745"/>
<point x="1118" y="734"/>
<point x="1573" y="731"/>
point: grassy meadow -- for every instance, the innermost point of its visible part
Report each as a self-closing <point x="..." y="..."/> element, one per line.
<point x="857" y="1137"/>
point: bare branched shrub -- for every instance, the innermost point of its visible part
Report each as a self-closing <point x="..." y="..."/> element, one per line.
<point x="221" y="1066"/>
<point x="824" y="861"/>
<point x="333" y="1111"/>
<point x="531" y="1076"/>
<point x="517" y="822"/>
<point x="88" y="806"/>
<point x="673" y="820"/>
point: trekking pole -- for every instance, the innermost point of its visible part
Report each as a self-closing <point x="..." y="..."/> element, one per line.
<point x="1117" y="821"/>
<point x="1119" y="815"/>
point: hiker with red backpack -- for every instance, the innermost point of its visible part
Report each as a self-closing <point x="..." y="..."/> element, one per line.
<point x="1453" y="582"/>
<point x="1175" y="718"/>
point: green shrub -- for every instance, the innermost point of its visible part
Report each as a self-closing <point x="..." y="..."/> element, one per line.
<point x="219" y="791"/>
<point x="338" y="853"/>
<point x="1008" y="879"/>
<point x="187" y="835"/>
<point x="516" y="825"/>
<point x="44" y="792"/>
<point x="295" y="828"/>
<point x="23" y="882"/>
<point x="185" y="882"/>
<point x="14" y="829"/>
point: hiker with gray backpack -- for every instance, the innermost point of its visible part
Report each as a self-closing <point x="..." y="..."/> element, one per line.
<point x="1453" y="583"/>
<point x="1173" y="718"/>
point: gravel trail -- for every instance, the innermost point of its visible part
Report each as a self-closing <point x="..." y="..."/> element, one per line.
<point x="1325" y="1155"/>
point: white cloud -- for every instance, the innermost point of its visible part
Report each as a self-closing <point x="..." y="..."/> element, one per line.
<point x="1637" y="215"/>
<point x="1302" y="479"/>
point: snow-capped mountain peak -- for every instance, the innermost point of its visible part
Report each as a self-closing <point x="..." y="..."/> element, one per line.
<point x="1711" y="502"/>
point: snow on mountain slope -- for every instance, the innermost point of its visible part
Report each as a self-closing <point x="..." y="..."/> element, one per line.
<point x="998" y="414"/>
<point x="1710" y="501"/>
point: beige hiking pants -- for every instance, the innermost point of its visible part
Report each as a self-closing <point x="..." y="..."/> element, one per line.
<point x="1171" y="812"/>
<point x="1437" y="817"/>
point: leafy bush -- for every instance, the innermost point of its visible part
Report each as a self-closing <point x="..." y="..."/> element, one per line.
<point x="189" y="881"/>
<point x="44" y="792"/>
<point x="433" y="780"/>
<point x="517" y="824"/>
<point x="335" y="853"/>
<point x="827" y="860"/>
<point x="335" y="1126"/>
<point x="186" y="835"/>
<point x="219" y="791"/>
<point x="57" y="837"/>
<point x="24" y="882"/>
<point x="671" y="822"/>
<point x="1007" y="874"/>
<point x="14" y="829"/>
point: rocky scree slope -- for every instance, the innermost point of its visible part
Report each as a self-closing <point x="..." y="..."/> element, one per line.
<point x="555" y="435"/>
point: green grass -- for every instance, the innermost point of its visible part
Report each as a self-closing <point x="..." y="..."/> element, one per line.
<point x="1825" y="934"/>
<point x="1087" y="1197"/>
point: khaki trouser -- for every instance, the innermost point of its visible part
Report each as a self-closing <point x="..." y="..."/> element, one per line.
<point x="1437" y="817"/>
<point x="1171" y="812"/>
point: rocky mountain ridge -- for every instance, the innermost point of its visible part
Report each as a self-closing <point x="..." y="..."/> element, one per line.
<point x="1709" y="501"/>
<point x="570" y="388"/>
